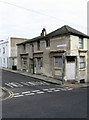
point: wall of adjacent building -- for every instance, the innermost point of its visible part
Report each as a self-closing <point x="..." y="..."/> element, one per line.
<point x="4" y="54"/>
<point x="88" y="60"/>
<point x="13" y="50"/>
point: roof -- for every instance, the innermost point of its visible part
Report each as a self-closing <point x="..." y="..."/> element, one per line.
<point x="65" y="30"/>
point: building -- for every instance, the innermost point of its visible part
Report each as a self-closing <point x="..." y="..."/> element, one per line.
<point x="62" y="54"/>
<point x="8" y="52"/>
<point x="4" y="54"/>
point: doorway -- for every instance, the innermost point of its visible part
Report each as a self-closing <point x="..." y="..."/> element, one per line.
<point x="71" y="68"/>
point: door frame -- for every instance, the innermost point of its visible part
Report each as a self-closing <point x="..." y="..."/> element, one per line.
<point x="71" y="59"/>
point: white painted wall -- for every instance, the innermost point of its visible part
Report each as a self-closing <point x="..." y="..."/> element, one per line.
<point x="4" y="57"/>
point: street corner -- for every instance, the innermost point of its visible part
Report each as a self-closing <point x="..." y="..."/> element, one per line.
<point x="5" y="94"/>
<point x="78" y="85"/>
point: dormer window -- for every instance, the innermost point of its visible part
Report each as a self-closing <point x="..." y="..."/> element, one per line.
<point x="80" y="43"/>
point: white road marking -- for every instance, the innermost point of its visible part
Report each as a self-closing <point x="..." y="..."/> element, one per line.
<point x="45" y="89"/>
<point x="36" y="91"/>
<point x="32" y="83"/>
<point x="40" y="92"/>
<point x="51" y="88"/>
<point x="16" y="93"/>
<point x="24" y="83"/>
<point x="25" y="92"/>
<point x="19" y="96"/>
<point x="13" y="84"/>
<point x="56" y="90"/>
<point x="70" y="88"/>
<point x="49" y="91"/>
<point x="8" y="84"/>
<point x="18" y="84"/>
<point x="30" y="94"/>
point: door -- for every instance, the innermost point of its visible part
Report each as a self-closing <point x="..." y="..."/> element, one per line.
<point x="71" y="69"/>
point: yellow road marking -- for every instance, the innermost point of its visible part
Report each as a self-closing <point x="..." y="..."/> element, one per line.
<point x="10" y="93"/>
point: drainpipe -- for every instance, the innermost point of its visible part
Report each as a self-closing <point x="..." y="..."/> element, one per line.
<point x="33" y="56"/>
<point x="63" y="67"/>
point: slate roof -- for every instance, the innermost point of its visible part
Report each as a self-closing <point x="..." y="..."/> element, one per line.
<point x="65" y="30"/>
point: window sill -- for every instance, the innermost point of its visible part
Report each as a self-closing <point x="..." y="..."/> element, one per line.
<point x="82" y="69"/>
<point x="57" y="68"/>
<point x="47" y="47"/>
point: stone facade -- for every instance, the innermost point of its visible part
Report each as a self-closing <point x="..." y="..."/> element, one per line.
<point x="62" y="59"/>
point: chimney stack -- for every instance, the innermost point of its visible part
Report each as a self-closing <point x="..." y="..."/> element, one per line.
<point x="43" y="32"/>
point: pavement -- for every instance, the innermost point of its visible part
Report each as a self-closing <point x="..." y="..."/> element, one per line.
<point x="47" y="79"/>
<point x="1" y="93"/>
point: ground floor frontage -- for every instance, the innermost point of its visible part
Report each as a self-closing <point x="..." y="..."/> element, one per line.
<point x="56" y="64"/>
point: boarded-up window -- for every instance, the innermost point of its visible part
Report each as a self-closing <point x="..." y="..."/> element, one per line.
<point x="82" y="62"/>
<point x="58" y="61"/>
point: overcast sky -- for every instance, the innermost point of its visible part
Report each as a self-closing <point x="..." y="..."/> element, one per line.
<point x="27" y="18"/>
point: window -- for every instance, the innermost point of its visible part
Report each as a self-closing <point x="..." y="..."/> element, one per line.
<point x="81" y="43"/>
<point x="82" y="62"/>
<point x="32" y="48"/>
<point x="24" y="61"/>
<point x="47" y="43"/>
<point x="24" y="47"/>
<point x="58" y="61"/>
<point x="3" y="50"/>
<point x="4" y="60"/>
<point x="38" y="45"/>
<point x="31" y="63"/>
<point x="39" y="62"/>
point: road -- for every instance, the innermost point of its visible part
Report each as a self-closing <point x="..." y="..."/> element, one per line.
<point x="36" y="99"/>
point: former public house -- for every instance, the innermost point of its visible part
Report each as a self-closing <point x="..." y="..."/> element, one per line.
<point x="61" y="54"/>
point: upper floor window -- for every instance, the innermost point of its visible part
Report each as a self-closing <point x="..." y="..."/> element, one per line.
<point x="38" y="45"/>
<point x="32" y="48"/>
<point x="81" y="43"/>
<point x="47" y="43"/>
<point x="24" y="46"/>
<point x="3" y="60"/>
<point x="3" y="50"/>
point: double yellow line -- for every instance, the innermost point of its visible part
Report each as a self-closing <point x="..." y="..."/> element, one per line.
<point x="10" y="93"/>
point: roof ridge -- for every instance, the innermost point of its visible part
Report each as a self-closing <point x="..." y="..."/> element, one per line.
<point x="66" y="26"/>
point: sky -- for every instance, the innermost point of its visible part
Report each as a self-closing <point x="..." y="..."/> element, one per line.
<point x="27" y="18"/>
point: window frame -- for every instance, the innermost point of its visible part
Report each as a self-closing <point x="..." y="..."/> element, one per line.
<point x="82" y="62"/>
<point x="47" y="43"/>
<point x="80" y="43"/>
<point x="39" y="62"/>
<point x="57" y="62"/>
<point x="38" y="45"/>
<point x="3" y="50"/>
<point x="25" y="61"/>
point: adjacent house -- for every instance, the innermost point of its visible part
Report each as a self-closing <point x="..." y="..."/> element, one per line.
<point x="4" y="54"/>
<point x="62" y="54"/>
<point x="8" y="52"/>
